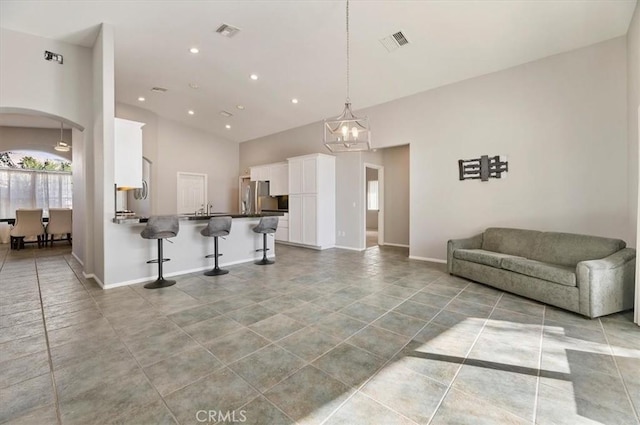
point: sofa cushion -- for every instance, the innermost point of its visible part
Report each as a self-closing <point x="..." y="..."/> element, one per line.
<point x="518" y="242"/>
<point x="481" y="256"/>
<point x="549" y="272"/>
<point x="568" y="249"/>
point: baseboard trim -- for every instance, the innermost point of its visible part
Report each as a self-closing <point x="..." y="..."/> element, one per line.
<point x="400" y="245"/>
<point x="73" y="254"/>
<point x="94" y="277"/>
<point x="349" y="248"/>
<point x="178" y="273"/>
<point x="431" y="260"/>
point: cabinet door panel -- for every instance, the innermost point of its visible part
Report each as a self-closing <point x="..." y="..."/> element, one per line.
<point x="295" y="219"/>
<point x="309" y="173"/>
<point x="279" y="183"/>
<point x="310" y="223"/>
<point x="295" y="176"/>
<point x="127" y="150"/>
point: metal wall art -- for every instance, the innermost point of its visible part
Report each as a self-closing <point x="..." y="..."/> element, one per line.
<point x="483" y="168"/>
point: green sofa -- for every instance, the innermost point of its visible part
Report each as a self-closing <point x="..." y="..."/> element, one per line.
<point x="589" y="275"/>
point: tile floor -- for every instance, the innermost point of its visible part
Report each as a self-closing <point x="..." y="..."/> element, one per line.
<point x="332" y="337"/>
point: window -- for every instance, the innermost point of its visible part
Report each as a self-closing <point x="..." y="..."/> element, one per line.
<point x="27" y="182"/>
<point x="372" y="195"/>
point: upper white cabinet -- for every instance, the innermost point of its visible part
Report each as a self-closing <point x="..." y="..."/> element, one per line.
<point x="279" y="182"/>
<point x="260" y="173"/>
<point x="312" y="200"/>
<point x="276" y="174"/>
<point x="128" y="153"/>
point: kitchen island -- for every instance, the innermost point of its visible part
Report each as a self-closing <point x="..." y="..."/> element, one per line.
<point x="188" y="250"/>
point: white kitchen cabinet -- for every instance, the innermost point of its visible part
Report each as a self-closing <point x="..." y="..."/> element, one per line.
<point x="260" y="173"/>
<point x="312" y="201"/>
<point x="282" y="232"/>
<point x="279" y="179"/>
<point x="127" y="153"/>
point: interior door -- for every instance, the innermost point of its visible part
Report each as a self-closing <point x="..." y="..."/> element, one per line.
<point x="192" y="192"/>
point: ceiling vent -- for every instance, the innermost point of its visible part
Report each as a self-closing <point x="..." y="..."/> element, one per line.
<point x="226" y="114"/>
<point x="228" y="31"/>
<point x="394" y="41"/>
<point x="158" y="89"/>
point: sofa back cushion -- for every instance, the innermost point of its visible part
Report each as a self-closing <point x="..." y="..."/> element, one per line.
<point x="568" y="249"/>
<point x="517" y="242"/>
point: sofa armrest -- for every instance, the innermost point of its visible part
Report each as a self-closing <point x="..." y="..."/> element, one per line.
<point x="607" y="285"/>
<point x="474" y="242"/>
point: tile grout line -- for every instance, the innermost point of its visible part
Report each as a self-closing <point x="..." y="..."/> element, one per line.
<point x="624" y="384"/>
<point x="537" y="393"/>
<point x="450" y="386"/>
<point x="56" y="401"/>
<point x="395" y="354"/>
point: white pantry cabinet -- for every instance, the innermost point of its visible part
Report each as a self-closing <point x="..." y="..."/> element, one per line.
<point x="312" y="200"/>
<point x="127" y="153"/>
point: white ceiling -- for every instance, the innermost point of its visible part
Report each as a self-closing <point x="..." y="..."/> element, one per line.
<point x="298" y="50"/>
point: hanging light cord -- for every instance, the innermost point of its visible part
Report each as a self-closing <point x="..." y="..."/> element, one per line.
<point x="348" y="100"/>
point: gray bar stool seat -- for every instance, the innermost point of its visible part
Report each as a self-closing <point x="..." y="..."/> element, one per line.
<point x="266" y="226"/>
<point x="160" y="227"/>
<point x="218" y="227"/>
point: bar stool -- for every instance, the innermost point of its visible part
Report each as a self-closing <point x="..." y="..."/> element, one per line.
<point x="160" y="227"/>
<point x="217" y="227"/>
<point x="266" y="225"/>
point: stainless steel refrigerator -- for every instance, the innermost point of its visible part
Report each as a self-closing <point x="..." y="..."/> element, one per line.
<point x="253" y="194"/>
<point x="139" y="200"/>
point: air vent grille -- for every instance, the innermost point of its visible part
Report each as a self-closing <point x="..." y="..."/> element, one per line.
<point x="226" y="114"/>
<point x="227" y="30"/>
<point x="394" y="41"/>
<point x="158" y="89"/>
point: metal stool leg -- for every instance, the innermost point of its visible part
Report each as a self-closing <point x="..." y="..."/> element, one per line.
<point x="216" y="271"/>
<point x="264" y="250"/>
<point x="161" y="282"/>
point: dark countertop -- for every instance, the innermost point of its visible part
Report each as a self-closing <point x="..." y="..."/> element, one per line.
<point x="193" y="217"/>
<point x="282" y="210"/>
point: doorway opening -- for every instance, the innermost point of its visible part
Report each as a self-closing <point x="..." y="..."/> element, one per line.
<point x="373" y="205"/>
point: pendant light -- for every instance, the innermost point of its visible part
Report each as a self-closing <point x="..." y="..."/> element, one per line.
<point x="346" y="132"/>
<point x="61" y="146"/>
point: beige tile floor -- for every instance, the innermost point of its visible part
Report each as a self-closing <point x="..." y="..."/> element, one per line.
<point x="331" y="337"/>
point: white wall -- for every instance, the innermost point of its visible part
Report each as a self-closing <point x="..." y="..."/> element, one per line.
<point x="633" y="115"/>
<point x="396" y="202"/>
<point x="29" y="84"/>
<point x="181" y="148"/>
<point x="35" y="139"/>
<point x="561" y="120"/>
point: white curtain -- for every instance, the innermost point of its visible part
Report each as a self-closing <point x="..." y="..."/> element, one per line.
<point x="34" y="189"/>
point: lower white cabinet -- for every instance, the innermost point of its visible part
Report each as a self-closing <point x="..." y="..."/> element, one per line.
<point x="282" y="232"/>
<point x="304" y="226"/>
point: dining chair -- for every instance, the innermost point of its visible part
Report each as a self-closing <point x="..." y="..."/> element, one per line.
<point x="28" y="224"/>
<point x="60" y="223"/>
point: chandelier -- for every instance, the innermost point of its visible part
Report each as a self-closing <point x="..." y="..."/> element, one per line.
<point x="346" y="132"/>
<point x="62" y="146"/>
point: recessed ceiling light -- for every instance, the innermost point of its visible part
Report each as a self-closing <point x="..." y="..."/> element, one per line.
<point x="191" y="112"/>
<point x="194" y="85"/>
<point x="253" y="77"/>
<point x="194" y="50"/>
<point x="227" y="126"/>
<point x="241" y="107"/>
<point x="294" y="100"/>
<point x="141" y="99"/>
